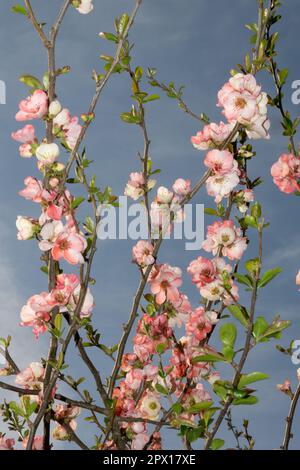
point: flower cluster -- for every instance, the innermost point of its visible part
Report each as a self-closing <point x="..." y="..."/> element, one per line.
<point x="225" y="174"/>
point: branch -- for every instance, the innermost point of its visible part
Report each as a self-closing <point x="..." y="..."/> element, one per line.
<point x="289" y="420"/>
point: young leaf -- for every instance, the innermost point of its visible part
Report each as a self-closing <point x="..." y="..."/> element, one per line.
<point x="245" y="401"/>
<point x="250" y="378"/>
<point x="19" y="9"/>
<point x="268" y="276"/>
<point x="228" y="334"/>
<point x="239" y="314"/>
<point x="197" y="407"/>
<point x="217" y="444"/>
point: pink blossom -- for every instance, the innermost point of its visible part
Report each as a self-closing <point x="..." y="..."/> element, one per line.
<point x="139" y="441"/>
<point x="199" y="324"/>
<point x="219" y="161"/>
<point x="32" y="376"/>
<point x="134" y="378"/>
<point x="27" y="137"/>
<point x="202" y="271"/>
<point x="65" y="286"/>
<point x="226" y="238"/>
<point x="298" y="279"/>
<point x="165" y="281"/>
<point x="136" y="186"/>
<point x="183" y="309"/>
<point x="72" y="131"/>
<point x="70" y="246"/>
<point x="6" y="444"/>
<point x="212" y="291"/>
<point x="164" y="196"/>
<point x="36" y="313"/>
<point x="242" y="100"/>
<point x="212" y="135"/>
<point x="181" y="187"/>
<point x="221" y="186"/>
<point x="33" y="191"/>
<point x="85" y="6"/>
<point x="285" y="173"/>
<point x="149" y="405"/>
<point x="38" y="443"/>
<point x="88" y="304"/>
<point x="143" y="347"/>
<point x="27" y="227"/>
<point x="34" y="107"/>
<point x="142" y="253"/>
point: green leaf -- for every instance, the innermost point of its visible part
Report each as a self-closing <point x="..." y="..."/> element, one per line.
<point x="31" y="82"/>
<point x="210" y="211"/>
<point x="130" y="119"/>
<point x="228" y="334"/>
<point x="252" y="400"/>
<point x="239" y="313"/>
<point x="151" y="98"/>
<point x="216" y="357"/>
<point x="76" y="202"/>
<point x="122" y="23"/>
<point x="247" y="379"/>
<point x="243" y="279"/>
<point x="268" y="276"/>
<point x="250" y="221"/>
<point x="109" y="37"/>
<point x="260" y="326"/>
<point x="252" y="266"/>
<point x="197" y="407"/>
<point x="19" y="9"/>
<point x="161" y="389"/>
<point x="283" y="74"/>
<point x="177" y="408"/>
<point x="217" y="444"/>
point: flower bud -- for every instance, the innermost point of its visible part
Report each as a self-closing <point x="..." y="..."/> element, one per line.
<point x="54" y="108"/>
<point x="27" y="228"/>
<point x="47" y="153"/>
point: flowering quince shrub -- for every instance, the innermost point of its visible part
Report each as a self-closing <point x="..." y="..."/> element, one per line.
<point x="164" y="372"/>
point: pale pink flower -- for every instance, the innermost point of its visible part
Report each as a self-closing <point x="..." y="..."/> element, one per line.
<point x="199" y="324"/>
<point x="49" y="234"/>
<point x="32" y="376"/>
<point x="88" y="304"/>
<point x="139" y="441"/>
<point x="149" y="405"/>
<point x="26" y="135"/>
<point x="85" y="7"/>
<point x="72" y="131"/>
<point x="33" y="190"/>
<point x="183" y="309"/>
<point x="65" y="286"/>
<point x="164" y="196"/>
<point x="226" y="238"/>
<point x="242" y="100"/>
<point x="243" y="199"/>
<point x="165" y="281"/>
<point x="142" y="253"/>
<point x="212" y="135"/>
<point x="220" y="186"/>
<point x="27" y="227"/>
<point x="34" y="107"/>
<point x="63" y="118"/>
<point x="298" y="279"/>
<point x="181" y="187"/>
<point x="38" y="443"/>
<point x="70" y="246"/>
<point x="202" y="271"/>
<point x="285" y="173"/>
<point x="47" y="153"/>
<point x="219" y="161"/>
<point x="36" y="313"/>
<point x="6" y="444"/>
<point x="134" y="378"/>
<point x="212" y="291"/>
<point x="135" y="186"/>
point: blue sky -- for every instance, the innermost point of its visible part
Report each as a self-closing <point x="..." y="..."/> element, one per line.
<point x="194" y="43"/>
